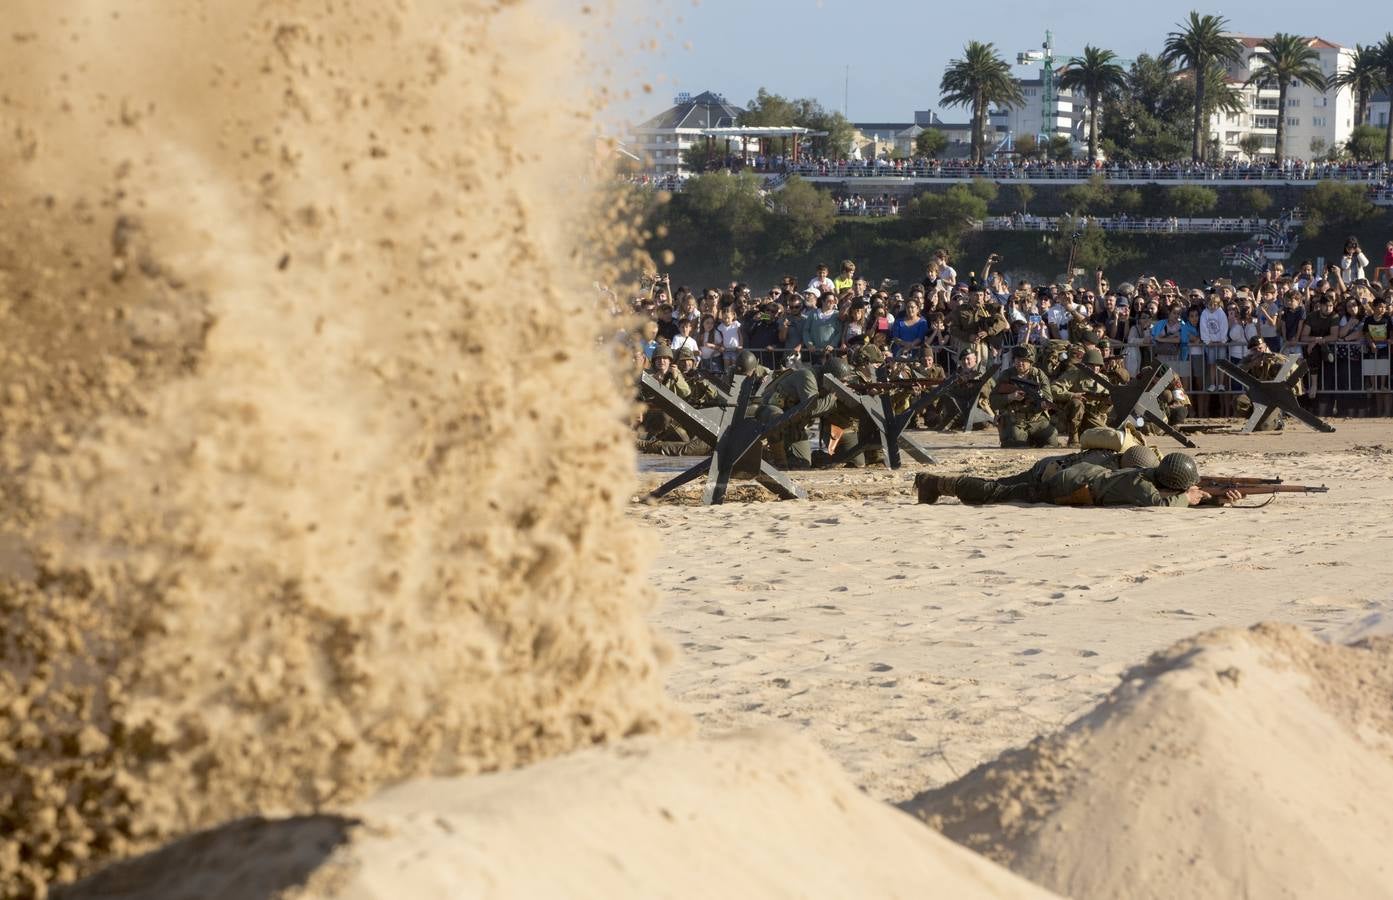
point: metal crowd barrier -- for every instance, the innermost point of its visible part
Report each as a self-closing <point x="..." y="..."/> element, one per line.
<point x="1372" y="175"/>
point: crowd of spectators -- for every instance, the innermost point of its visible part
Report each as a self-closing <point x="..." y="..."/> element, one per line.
<point x="860" y="205"/>
<point x="1006" y="167"/>
<point x="1338" y="320"/>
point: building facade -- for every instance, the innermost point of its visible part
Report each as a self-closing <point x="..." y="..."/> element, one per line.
<point x="661" y="140"/>
<point x="1041" y="117"/>
<point x="1316" y="120"/>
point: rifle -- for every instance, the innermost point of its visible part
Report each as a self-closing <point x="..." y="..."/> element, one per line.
<point x="1218" y="485"/>
<point x="895" y="384"/>
<point x="1032" y="391"/>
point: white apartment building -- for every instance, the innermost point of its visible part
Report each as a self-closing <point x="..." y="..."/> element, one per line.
<point x="1316" y="120"/>
<point x="1064" y="115"/>
<point x="662" y="138"/>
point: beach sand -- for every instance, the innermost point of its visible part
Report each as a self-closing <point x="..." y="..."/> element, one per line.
<point x="914" y="642"/>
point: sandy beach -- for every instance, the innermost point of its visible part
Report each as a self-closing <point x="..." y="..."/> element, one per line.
<point x="915" y="642"/>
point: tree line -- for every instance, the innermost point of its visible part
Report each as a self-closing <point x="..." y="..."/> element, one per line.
<point x="1137" y="113"/>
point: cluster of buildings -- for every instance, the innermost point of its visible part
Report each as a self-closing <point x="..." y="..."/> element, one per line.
<point x="1316" y="120"/>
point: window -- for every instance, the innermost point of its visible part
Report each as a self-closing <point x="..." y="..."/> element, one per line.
<point x="1321" y="101"/>
<point x="1293" y="121"/>
<point x="1293" y="102"/>
<point x="1318" y="121"/>
<point x="1231" y="137"/>
<point x="1382" y="119"/>
<point x="1264" y="121"/>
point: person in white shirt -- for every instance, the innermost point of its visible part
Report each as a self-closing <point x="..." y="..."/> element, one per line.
<point x="1353" y="261"/>
<point x="683" y="338"/>
<point x="1214" y="332"/>
<point x="1058" y="317"/>
<point x="729" y="338"/>
<point x="1241" y="330"/>
<point x="821" y="282"/>
<point x="946" y="274"/>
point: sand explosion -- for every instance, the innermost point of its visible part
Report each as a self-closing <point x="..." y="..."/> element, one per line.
<point x="314" y="484"/>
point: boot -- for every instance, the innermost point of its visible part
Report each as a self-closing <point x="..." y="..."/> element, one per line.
<point x="926" y="487"/>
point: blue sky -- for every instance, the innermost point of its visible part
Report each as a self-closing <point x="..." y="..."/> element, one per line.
<point x="897" y="49"/>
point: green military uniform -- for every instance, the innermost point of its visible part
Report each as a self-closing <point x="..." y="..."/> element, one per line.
<point x="845" y="421"/>
<point x="1053" y="357"/>
<point x="789" y="446"/>
<point x="1023" y="422"/>
<point x="1136" y="458"/>
<point x="664" y="436"/>
<point x="1115" y="370"/>
<point x="1264" y="365"/>
<point x="1083" y="484"/>
<point x="747" y="364"/>
<point x="967" y="320"/>
<point x="668" y="376"/>
<point x="1081" y="400"/>
<point x="702" y="392"/>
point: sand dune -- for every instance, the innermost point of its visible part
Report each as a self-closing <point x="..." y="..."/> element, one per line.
<point x="1238" y="764"/>
<point x="755" y="815"/>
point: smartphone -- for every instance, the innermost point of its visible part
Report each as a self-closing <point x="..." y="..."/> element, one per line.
<point x="1034" y="320"/>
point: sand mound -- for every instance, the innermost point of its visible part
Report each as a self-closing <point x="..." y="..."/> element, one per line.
<point x="296" y="513"/>
<point x="1239" y="763"/>
<point x="756" y="815"/>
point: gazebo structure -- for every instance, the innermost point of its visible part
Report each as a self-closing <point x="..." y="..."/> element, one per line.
<point x="765" y="135"/>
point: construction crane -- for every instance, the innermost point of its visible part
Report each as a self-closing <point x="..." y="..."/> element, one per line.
<point x="1049" y="93"/>
<point x="1045" y="57"/>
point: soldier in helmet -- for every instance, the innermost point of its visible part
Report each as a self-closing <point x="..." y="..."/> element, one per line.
<point x="789" y="446"/>
<point x="1265" y="365"/>
<point x="747" y="364"/>
<point x="666" y="373"/>
<point x="843" y="425"/>
<point x="703" y="393"/>
<point x="1081" y="401"/>
<point x="926" y="486"/>
<point x="1019" y="397"/>
<point x="1173" y="482"/>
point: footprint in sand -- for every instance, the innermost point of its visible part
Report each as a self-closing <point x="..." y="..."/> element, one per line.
<point x="1087" y="653"/>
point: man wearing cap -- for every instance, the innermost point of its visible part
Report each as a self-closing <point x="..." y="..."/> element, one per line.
<point x="791" y="325"/>
<point x="1019" y="397"/>
<point x="972" y="324"/>
<point x="1173" y="482"/>
<point x="1081" y="401"/>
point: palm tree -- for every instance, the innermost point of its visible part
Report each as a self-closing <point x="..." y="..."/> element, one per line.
<point x="977" y="80"/>
<point x="1362" y="77"/>
<point x="1093" y="74"/>
<point x="1200" y="45"/>
<point x="1385" y="80"/>
<point x="1286" y="59"/>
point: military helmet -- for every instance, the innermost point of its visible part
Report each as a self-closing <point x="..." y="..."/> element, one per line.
<point x="1091" y="357"/>
<point x="867" y="355"/>
<point x="1140" y="457"/>
<point x="662" y="351"/>
<point x="746" y="362"/>
<point x="837" y="368"/>
<point x="685" y="354"/>
<point x="1178" y="472"/>
<point x="1020" y="352"/>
